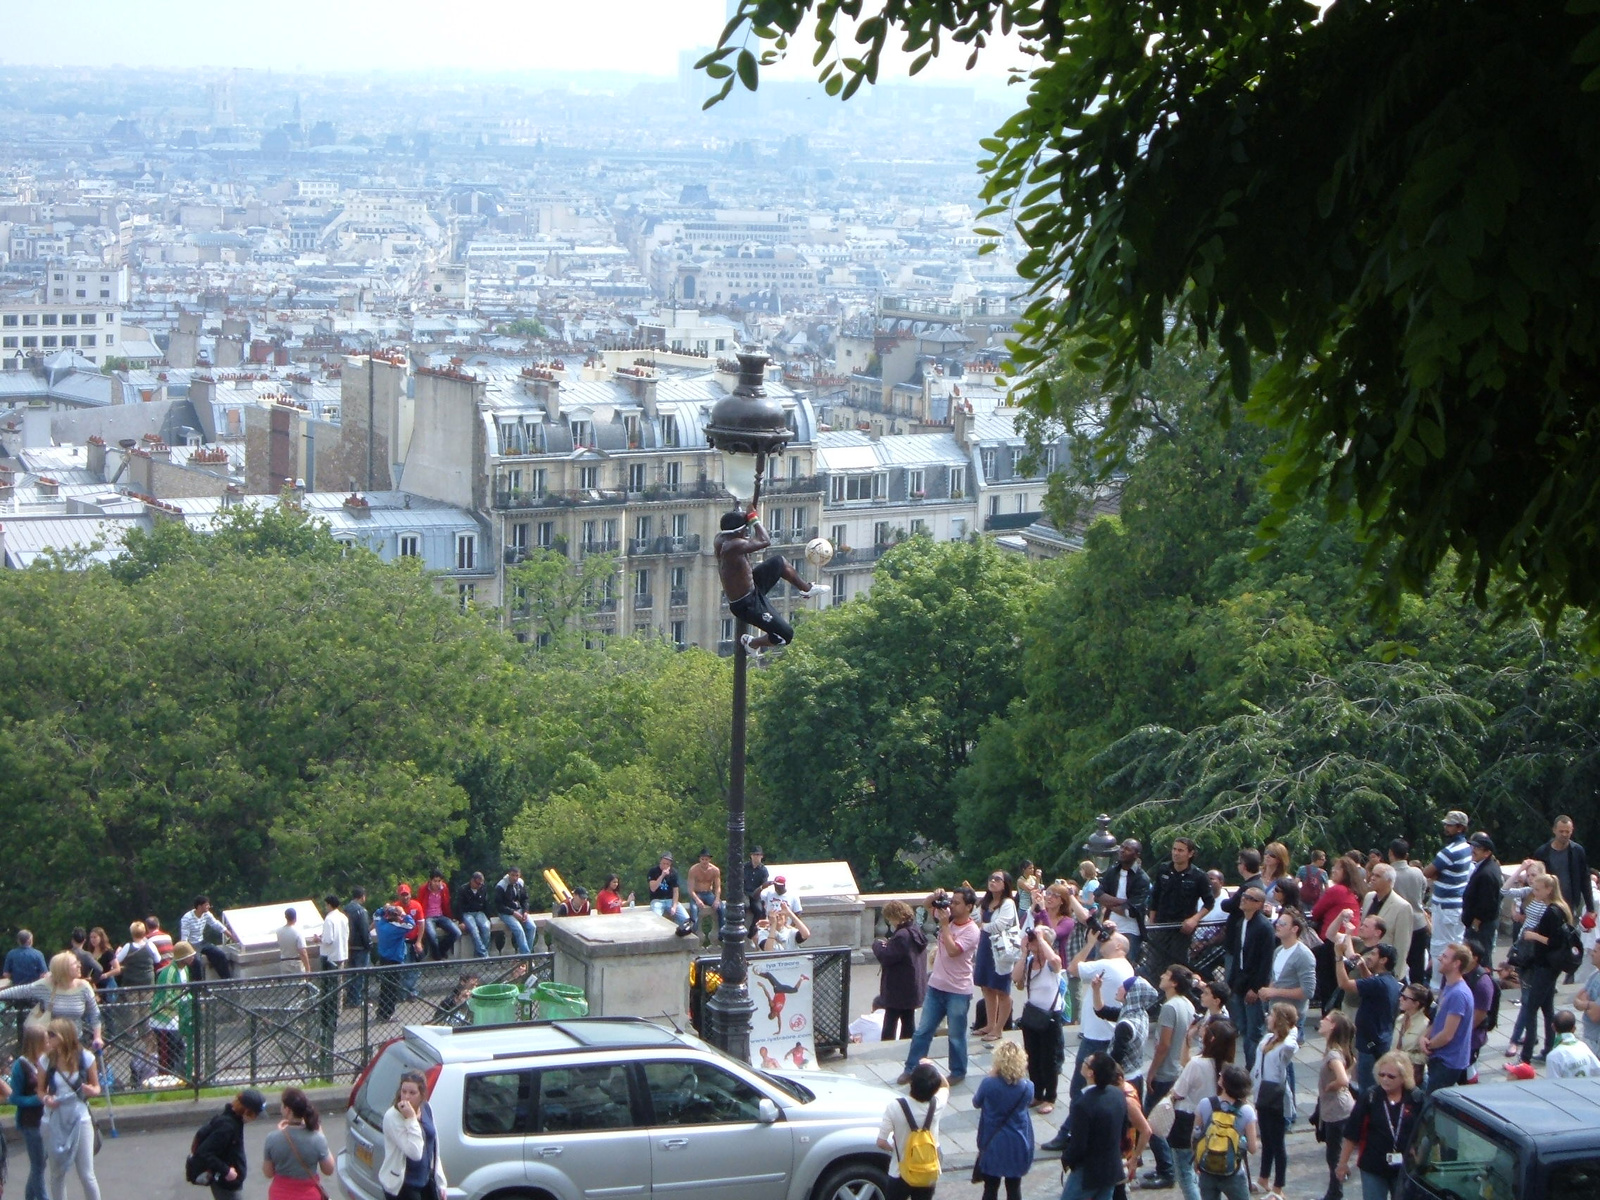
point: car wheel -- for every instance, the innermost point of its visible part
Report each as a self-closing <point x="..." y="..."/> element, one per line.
<point x="854" y="1181"/>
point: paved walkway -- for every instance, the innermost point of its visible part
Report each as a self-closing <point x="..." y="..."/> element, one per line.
<point x="1307" y="1174"/>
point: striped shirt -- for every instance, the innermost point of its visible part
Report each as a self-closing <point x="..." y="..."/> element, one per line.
<point x="1454" y="865"/>
<point x="76" y="1004"/>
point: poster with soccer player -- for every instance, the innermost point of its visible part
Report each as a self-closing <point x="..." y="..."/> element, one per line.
<point x="781" y="1036"/>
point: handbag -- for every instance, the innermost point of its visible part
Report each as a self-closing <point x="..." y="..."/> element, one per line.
<point x="1521" y="953"/>
<point x="1005" y="944"/>
<point x="1181" y="1135"/>
<point x="1035" y="1019"/>
<point x="1162" y="1116"/>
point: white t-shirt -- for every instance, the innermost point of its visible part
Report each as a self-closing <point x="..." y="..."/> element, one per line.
<point x="1113" y="973"/>
<point x="290" y="942"/>
<point x="1122" y="920"/>
<point x="335" y="936"/>
<point x="1196" y="1082"/>
<point x="893" y="1127"/>
<point x="1043" y="984"/>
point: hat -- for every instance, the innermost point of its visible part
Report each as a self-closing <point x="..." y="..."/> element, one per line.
<point x="580" y="891"/>
<point x="1456" y="817"/>
<point x="757" y="850"/>
<point x="403" y="890"/>
<point x="1521" y="1070"/>
<point x="182" y="952"/>
<point x="666" y="855"/>
<point x="253" y="1100"/>
<point x="1483" y="841"/>
<point x="778" y="880"/>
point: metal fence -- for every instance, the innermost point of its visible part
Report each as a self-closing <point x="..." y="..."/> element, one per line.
<point x="285" y="1028"/>
<point x="1202" y="952"/>
<point x="830" y="993"/>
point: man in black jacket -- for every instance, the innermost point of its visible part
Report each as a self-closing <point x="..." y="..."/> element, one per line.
<point x="1093" y="1152"/>
<point x="355" y="991"/>
<point x="1179" y="894"/>
<point x="756" y="878"/>
<point x="219" y="1146"/>
<point x="1480" y="903"/>
<point x="1565" y="859"/>
<point x="1124" y="894"/>
<point x="1252" y="969"/>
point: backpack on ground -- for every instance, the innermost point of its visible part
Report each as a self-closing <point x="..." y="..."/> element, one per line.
<point x="1566" y="954"/>
<point x="919" y="1163"/>
<point x="1218" y="1151"/>
<point x="195" y="1169"/>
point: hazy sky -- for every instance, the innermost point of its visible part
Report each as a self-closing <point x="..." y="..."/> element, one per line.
<point x="634" y="36"/>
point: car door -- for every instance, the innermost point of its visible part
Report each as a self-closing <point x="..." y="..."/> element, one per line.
<point x="586" y="1139"/>
<point x="706" y="1138"/>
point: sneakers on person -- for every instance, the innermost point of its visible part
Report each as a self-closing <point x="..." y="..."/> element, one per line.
<point x="904" y="1078"/>
<point x="819" y="589"/>
<point x="956" y="1080"/>
<point x="1155" y="1182"/>
<point x="750" y="648"/>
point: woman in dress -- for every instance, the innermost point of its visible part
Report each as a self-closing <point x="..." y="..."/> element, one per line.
<point x="902" y="970"/>
<point x="411" y="1169"/>
<point x="996" y="915"/>
<point x="296" y="1150"/>
<point x="70" y="1081"/>
<point x="1005" y="1131"/>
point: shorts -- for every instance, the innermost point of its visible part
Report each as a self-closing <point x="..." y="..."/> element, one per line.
<point x="752" y="608"/>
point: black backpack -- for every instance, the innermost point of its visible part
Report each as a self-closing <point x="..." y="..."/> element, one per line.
<point x="1566" y="948"/>
<point x="1493" y="1018"/>
<point x="195" y="1169"/>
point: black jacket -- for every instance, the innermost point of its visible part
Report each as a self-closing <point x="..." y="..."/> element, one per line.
<point x="1481" y="901"/>
<point x="468" y="900"/>
<point x="220" y="1145"/>
<point x="1175" y="895"/>
<point x="1550" y="925"/>
<point x="903" y="981"/>
<point x="1094" y="1137"/>
<point x="755" y="878"/>
<point x="1138" y="891"/>
<point x="360" y="925"/>
<point x="1254" y="956"/>
<point x="1577" y="890"/>
<point x="511" y="896"/>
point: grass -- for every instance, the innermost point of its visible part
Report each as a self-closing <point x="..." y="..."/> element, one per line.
<point x="121" y="1100"/>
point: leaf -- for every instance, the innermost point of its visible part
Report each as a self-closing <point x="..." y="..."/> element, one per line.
<point x="747" y="70"/>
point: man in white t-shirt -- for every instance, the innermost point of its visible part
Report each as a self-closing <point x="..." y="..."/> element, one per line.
<point x="930" y="1095"/>
<point x="1113" y="969"/>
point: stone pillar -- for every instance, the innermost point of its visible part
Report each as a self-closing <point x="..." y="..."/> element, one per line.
<point x="631" y="964"/>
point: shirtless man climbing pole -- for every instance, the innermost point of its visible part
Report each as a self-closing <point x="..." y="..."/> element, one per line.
<point x="742" y="535"/>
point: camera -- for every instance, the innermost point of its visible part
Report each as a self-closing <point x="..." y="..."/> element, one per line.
<point x="941" y="899"/>
<point x="1103" y="934"/>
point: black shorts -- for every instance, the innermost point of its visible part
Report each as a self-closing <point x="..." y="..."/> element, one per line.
<point x="753" y="609"/>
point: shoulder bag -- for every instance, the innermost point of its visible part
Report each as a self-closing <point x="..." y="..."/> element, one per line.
<point x="1035" y="1019"/>
<point x="983" y="1145"/>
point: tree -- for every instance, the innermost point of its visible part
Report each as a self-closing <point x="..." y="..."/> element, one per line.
<point x="550" y="593"/>
<point x="524" y="327"/>
<point x="1389" y="203"/>
<point x="865" y="720"/>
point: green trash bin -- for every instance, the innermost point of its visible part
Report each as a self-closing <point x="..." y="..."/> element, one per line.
<point x="493" y="1003"/>
<point x="555" y="1001"/>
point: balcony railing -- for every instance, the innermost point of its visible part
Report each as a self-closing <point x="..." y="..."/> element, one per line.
<point x="600" y="547"/>
<point x="688" y="544"/>
<point x="1019" y="520"/>
<point x="642" y="600"/>
<point x="794" y="537"/>
<point x="679" y="597"/>
<point x="856" y="556"/>
<point x="606" y="606"/>
<point x="785" y="487"/>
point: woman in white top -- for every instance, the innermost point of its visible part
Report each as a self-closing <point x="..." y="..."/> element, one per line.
<point x="411" y="1169"/>
<point x="991" y="970"/>
<point x="64" y="993"/>
<point x="70" y="1080"/>
<point x="930" y="1095"/>
<point x="1038" y="974"/>
<point x="1196" y="1082"/>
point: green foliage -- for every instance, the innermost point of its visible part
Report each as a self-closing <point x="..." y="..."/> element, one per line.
<point x="550" y="593"/>
<point x="524" y="327"/>
<point x="283" y="529"/>
<point x="1387" y="205"/>
<point x="867" y="718"/>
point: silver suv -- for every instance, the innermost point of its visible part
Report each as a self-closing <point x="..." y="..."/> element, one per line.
<point x="606" y="1106"/>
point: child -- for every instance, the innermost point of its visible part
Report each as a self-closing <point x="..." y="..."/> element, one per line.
<point x="930" y="1093"/>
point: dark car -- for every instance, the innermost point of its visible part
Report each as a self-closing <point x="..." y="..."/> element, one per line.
<point x="1538" y="1140"/>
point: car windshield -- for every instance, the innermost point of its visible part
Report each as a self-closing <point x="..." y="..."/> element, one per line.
<point x="788" y="1087"/>
<point x="1454" y="1159"/>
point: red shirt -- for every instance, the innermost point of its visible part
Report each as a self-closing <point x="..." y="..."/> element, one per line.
<point x="608" y="901"/>
<point x="1335" y="899"/>
<point x="414" y="911"/>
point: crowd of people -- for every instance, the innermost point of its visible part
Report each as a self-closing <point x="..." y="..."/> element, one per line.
<point x="1192" y="997"/>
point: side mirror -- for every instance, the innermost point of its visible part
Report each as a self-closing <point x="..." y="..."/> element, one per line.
<point x="767" y="1112"/>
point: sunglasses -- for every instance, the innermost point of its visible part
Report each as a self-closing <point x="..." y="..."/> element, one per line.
<point x="1388" y="1074"/>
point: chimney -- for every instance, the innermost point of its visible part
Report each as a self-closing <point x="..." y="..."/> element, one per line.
<point x="95" y="460"/>
<point x="36" y="426"/>
<point x="961" y="417"/>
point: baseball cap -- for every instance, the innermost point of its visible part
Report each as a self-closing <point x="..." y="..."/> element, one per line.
<point x="757" y="850"/>
<point x="1521" y="1070"/>
<point x="1456" y="817"/>
<point x="1483" y="841"/>
<point x="779" y="880"/>
<point x="253" y="1100"/>
<point x="403" y="890"/>
<point x="581" y="891"/>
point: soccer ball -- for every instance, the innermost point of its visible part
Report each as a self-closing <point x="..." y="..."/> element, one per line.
<point x="819" y="551"/>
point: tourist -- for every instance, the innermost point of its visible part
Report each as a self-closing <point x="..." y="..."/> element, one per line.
<point x="1294" y="970"/>
<point x="172" y="1012"/>
<point x="439" y="928"/>
<point x="1480" y="903"/>
<point x="1038" y="976"/>
<point x="71" y="1080"/>
<point x="361" y="946"/>
<point x="949" y="982"/>
<point x="783" y="930"/>
<point x="1391" y="908"/>
<point x="411" y="1169"/>
<point x="1379" y="1128"/>
<point x="392" y="926"/>
<point x="1449" y="871"/>
<point x="997" y="951"/>
<point x="1334" y="1097"/>
<point x="24" y="964"/>
<point x="1412" y="885"/>
<point x="1179" y="895"/>
<point x="136" y="959"/>
<point x="1341" y="900"/>
<point x="1313" y="877"/>
<point x="931" y="1094"/>
<point x="1540" y="973"/>
<point x="1005" y="1133"/>
<point x="219" y="1144"/>
<point x="1214" y="1009"/>
<point x="1570" y="1058"/>
<point x="511" y="905"/>
<point x="104" y="953"/>
<point x="608" y="901"/>
<point x="1377" y="994"/>
<point x="25" y="1089"/>
<point x="1587" y="1002"/>
<point x="293" y="957"/>
<point x="1093" y="1138"/>
<point x="64" y="994"/>
<point x="160" y="939"/>
<point x="1275" y="1102"/>
<point x="705" y="890"/>
<point x="1111" y="970"/>
<point x="1274" y="869"/>
<point x="756" y="876"/>
<point x="472" y="909"/>
<point x="296" y="1150"/>
<point x="1416" y="1010"/>
<point x="664" y="888"/>
<point x="1123" y="897"/>
<point x="1252" y="945"/>
<point x="1196" y="1082"/>
<point x="202" y="930"/>
<point x="902" y="970"/>
<point x="1231" y="1100"/>
<point x="1448" y="1041"/>
<point x="1166" y="1061"/>
<point x="1566" y="860"/>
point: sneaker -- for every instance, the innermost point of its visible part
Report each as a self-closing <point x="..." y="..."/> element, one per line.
<point x="956" y="1080"/>
<point x="819" y="589"/>
<point x="1153" y="1182"/>
<point x="904" y="1078"/>
<point x="1152" y="1176"/>
<point x="750" y="648"/>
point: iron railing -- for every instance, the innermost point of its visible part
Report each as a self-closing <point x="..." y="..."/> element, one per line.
<point x="322" y="1027"/>
<point x="830" y="992"/>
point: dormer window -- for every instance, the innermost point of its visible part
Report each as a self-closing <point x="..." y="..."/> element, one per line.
<point x="669" y="431"/>
<point x="582" y="434"/>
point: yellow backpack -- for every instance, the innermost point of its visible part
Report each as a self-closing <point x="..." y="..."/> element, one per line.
<point x="919" y="1162"/>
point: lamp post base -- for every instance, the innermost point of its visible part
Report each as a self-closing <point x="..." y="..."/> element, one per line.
<point x="729" y="1013"/>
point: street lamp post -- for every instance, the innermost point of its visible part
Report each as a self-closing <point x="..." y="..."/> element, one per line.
<point x="1101" y="844"/>
<point x="746" y="428"/>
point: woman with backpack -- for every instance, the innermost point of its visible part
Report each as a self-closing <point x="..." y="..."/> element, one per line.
<point x="1274" y="1096"/>
<point x="1334" y="1098"/>
<point x="1226" y="1134"/>
<point x="1380" y="1126"/>
<point x="910" y="1134"/>
<point x="1005" y="1130"/>
<point x="1196" y="1082"/>
<point x="70" y="1080"/>
<point x="27" y="1093"/>
<point x="1546" y="940"/>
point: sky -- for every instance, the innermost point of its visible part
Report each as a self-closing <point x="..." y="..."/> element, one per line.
<point x="643" y="37"/>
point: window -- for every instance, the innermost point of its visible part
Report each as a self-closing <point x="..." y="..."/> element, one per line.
<point x="990" y="462"/>
<point x="838" y="594"/>
<point x="589" y="478"/>
<point x="105" y="293"/>
<point x="514" y="480"/>
<point x="545" y="535"/>
<point x="880" y="533"/>
<point x="1022" y="502"/>
<point x="799" y="525"/>
<point x="697" y="1093"/>
<point x="87" y="319"/>
<point x="30" y="318"/>
<point x="1451" y="1158"/>
<point x="582" y="433"/>
<point x="83" y="278"/>
<point x="49" y="318"/>
<point x="49" y="340"/>
<point x="641" y="529"/>
<point x="641" y="582"/>
<point x="466" y="593"/>
<point x="680" y="634"/>
<point x="591" y="533"/>
<point x="466" y="552"/>
<point x="9" y="321"/>
<point x="519" y="535"/>
<point x="958" y="482"/>
<point x="680" y="579"/>
<point x="914" y="486"/>
<point x="794" y="466"/>
<point x="87" y="339"/>
<point x="105" y="279"/>
<point x="82" y="294"/>
<point x="636" y="477"/>
<point x="859" y="487"/>
<point x="110" y="337"/>
<point x="918" y="527"/>
<point x="497" y="1105"/>
<point x="536" y="479"/>
<point x="727" y="629"/>
<point x="69" y="339"/>
<point x="994" y="506"/>
<point x="410" y="545"/>
<point x="775" y="521"/>
<point x="10" y="343"/>
<point x="674" y="478"/>
<point x="1574" y="1179"/>
<point x="30" y="340"/>
<point x="669" y="431"/>
<point x="958" y="529"/>
<point x="837" y="537"/>
<point x="680" y="527"/>
<point x="630" y="426"/>
<point x="608" y="531"/>
<point x="572" y="1099"/>
<point x="69" y="318"/>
